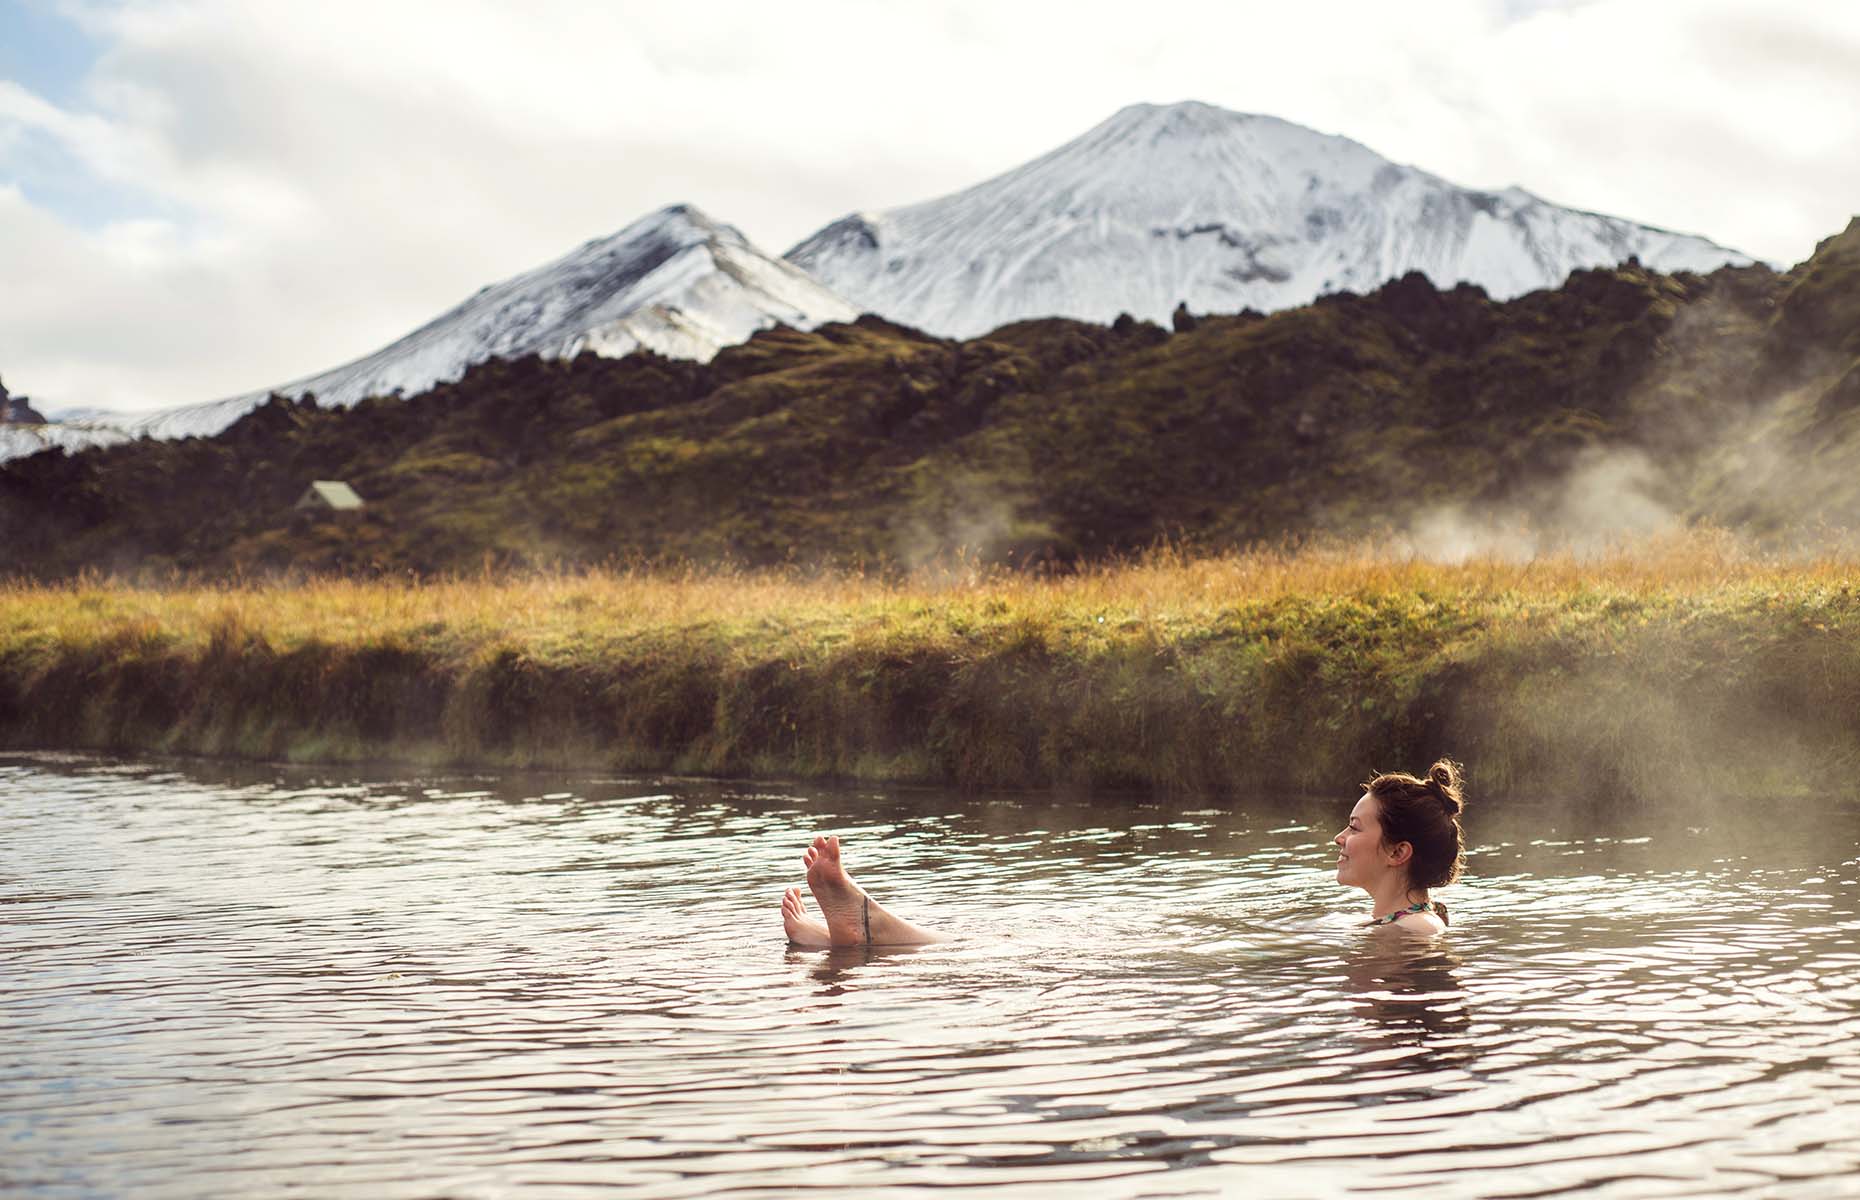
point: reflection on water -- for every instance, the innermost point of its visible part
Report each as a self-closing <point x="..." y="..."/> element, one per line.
<point x="1409" y="989"/>
<point x="216" y="983"/>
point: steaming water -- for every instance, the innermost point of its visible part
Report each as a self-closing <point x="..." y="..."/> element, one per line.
<point x="498" y="986"/>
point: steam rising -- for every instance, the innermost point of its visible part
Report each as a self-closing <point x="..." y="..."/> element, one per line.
<point x="963" y="517"/>
<point x="1610" y="497"/>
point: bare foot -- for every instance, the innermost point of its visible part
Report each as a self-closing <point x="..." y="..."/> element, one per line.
<point x="853" y="918"/>
<point x="802" y="929"/>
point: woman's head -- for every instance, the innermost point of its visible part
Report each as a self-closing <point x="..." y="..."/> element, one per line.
<point x="1425" y="814"/>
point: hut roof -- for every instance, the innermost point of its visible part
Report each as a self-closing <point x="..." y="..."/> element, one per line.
<point x="331" y="493"/>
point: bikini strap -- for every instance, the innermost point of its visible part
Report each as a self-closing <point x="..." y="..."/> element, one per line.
<point x="1399" y="913"/>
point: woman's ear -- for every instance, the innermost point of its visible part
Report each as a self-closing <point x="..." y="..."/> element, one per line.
<point x="1399" y="853"/>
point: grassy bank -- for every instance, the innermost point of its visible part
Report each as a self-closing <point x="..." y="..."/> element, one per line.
<point x="1672" y="666"/>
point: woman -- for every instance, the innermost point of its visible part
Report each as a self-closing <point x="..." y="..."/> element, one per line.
<point x="1403" y="838"/>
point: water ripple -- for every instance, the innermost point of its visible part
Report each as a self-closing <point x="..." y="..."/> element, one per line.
<point x="224" y="984"/>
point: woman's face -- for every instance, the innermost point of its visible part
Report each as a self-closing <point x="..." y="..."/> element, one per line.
<point x="1360" y="857"/>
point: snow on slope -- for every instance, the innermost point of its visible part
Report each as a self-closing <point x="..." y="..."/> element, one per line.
<point x="1224" y="210"/>
<point x="17" y="441"/>
<point x="676" y="282"/>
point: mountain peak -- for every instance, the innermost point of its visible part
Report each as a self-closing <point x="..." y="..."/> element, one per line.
<point x="1162" y="204"/>
<point x="1181" y="117"/>
<point x="676" y="281"/>
<point x="684" y="223"/>
<point x="1222" y="138"/>
<point x="1199" y="119"/>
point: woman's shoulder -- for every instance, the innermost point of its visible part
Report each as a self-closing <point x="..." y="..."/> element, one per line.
<point x="1421" y="924"/>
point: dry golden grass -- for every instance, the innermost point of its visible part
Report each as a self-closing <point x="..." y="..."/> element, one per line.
<point x="1165" y="586"/>
<point x="1171" y="672"/>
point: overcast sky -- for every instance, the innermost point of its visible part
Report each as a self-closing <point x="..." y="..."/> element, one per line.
<point x="205" y="197"/>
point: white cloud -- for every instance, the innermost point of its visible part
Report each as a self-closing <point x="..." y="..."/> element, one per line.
<point x="299" y="184"/>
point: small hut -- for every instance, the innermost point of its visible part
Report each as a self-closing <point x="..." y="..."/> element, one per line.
<point x="329" y="495"/>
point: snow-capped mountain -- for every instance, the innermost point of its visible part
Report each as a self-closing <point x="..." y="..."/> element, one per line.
<point x="675" y="281"/>
<point x="1157" y="206"/>
<point x="1163" y="204"/>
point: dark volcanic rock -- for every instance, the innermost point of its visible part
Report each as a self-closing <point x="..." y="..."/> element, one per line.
<point x="1051" y="440"/>
<point x="16" y="410"/>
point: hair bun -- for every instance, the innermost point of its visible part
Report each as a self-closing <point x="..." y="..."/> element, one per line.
<point x="1444" y="780"/>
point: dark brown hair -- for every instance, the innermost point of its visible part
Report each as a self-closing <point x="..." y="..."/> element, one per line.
<point x="1425" y="813"/>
